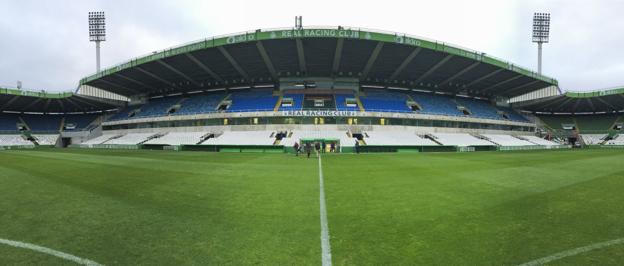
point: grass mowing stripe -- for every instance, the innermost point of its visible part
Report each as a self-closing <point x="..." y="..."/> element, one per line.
<point x="572" y="252"/>
<point x="325" y="246"/>
<point x="49" y="251"/>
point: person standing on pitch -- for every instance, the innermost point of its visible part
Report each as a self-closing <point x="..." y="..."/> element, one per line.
<point x="296" y="147"/>
<point x="357" y="147"/>
<point x="317" y="147"/>
<point x="332" y="147"/>
<point x="308" y="148"/>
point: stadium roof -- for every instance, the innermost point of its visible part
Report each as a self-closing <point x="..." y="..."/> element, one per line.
<point x="17" y="100"/>
<point x="599" y="101"/>
<point x="263" y="56"/>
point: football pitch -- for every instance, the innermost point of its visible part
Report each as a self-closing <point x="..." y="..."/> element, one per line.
<point x="142" y="207"/>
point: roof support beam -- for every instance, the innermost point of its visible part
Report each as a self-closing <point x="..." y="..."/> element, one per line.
<point x="563" y="103"/>
<point x="337" y="55"/>
<point x="235" y="64"/>
<point x="266" y="59"/>
<point x="174" y="70"/>
<point x="301" y="56"/>
<point x="166" y="82"/>
<point x="434" y="68"/>
<point x="9" y="102"/>
<point x="456" y="75"/>
<point x="591" y="104"/>
<point x="522" y="86"/>
<point x="45" y="107"/>
<point x="405" y="62"/>
<point x="204" y="67"/>
<point x="607" y="104"/>
<point x="32" y="104"/>
<point x="503" y="82"/>
<point x="557" y="100"/>
<point x="371" y="60"/>
<point x="119" y="86"/>
<point x="85" y="102"/>
<point x="484" y="77"/>
<point x="61" y="104"/>
<point x="75" y="104"/>
<point x="145" y="86"/>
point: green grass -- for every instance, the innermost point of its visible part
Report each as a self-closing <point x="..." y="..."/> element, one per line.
<point x="198" y="208"/>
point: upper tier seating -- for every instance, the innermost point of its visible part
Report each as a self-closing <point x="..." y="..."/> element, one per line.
<point x="540" y="141"/>
<point x="201" y="103"/>
<point x="297" y="102"/>
<point x="252" y="100"/>
<point x="46" y="139"/>
<point x="157" y="106"/>
<point x="513" y="115"/>
<point x="385" y="101"/>
<point x="507" y="140"/>
<point x="460" y="139"/>
<point x="479" y="108"/>
<point x="8" y="122"/>
<point x="595" y="123"/>
<point x="14" y="140"/>
<point x="178" y="138"/>
<point x="396" y="138"/>
<point x="130" y="139"/>
<point x="81" y="122"/>
<point x="436" y="104"/>
<point x="593" y="139"/>
<point x="242" y="138"/>
<point x="43" y="122"/>
<point x="556" y="121"/>
<point x="341" y="103"/>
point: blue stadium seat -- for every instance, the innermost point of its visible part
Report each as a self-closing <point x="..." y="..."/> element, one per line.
<point x="385" y="101"/>
<point x="43" y="123"/>
<point x="436" y="104"/>
<point x="252" y="100"/>
<point x="297" y="102"/>
<point x="201" y="103"/>
<point x="8" y="122"/>
<point x="157" y="106"/>
<point x="479" y="108"/>
<point x="80" y="121"/>
<point x="341" y="103"/>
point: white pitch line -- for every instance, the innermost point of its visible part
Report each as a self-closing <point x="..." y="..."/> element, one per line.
<point x="325" y="247"/>
<point x="572" y="252"/>
<point x="48" y="251"/>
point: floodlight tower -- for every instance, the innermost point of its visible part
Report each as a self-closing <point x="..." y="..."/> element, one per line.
<point x="541" y="32"/>
<point x="97" y="33"/>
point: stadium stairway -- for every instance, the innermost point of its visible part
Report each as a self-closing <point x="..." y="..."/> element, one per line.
<point x="359" y="102"/>
<point x="24" y="123"/>
<point x="433" y="138"/>
<point x="278" y="103"/>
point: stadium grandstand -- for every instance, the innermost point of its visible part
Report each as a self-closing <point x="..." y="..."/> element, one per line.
<point x="267" y="89"/>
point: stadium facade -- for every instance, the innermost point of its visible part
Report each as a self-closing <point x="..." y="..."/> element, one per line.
<point x="267" y="89"/>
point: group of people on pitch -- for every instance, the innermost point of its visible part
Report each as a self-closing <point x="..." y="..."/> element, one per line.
<point x="318" y="147"/>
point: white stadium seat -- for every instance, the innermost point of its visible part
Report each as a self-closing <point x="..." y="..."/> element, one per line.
<point x="540" y="141"/>
<point x="396" y="138"/>
<point x="46" y="139"/>
<point x="460" y="139"/>
<point x="507" y="140"/>
<point x="178" y="138"/>
<point x="14" y="140"/>
<point x="130" y="139"/>
<point x="242" y="138"/>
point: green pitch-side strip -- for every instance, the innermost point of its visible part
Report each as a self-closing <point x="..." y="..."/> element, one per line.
<point x="397" y="38"/>
<point x="40" y="94"/>
<point x="590" y="94"/>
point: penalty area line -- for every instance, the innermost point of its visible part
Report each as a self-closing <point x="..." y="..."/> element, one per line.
<point x="325" y="246"/>
<point x="49" y="251"/>
<point x="572" y="252"/>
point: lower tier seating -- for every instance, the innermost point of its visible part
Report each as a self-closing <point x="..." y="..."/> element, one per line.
<point x="593" y="139"/>
<point x="14" y="140"/>
<point x="178" y="138"/>
<point x="460" y="139"/>
<point x="46" y="139"/>
<point x="391" y="138"/>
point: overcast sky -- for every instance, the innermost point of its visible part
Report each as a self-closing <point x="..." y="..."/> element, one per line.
<point x="45" y="44"/>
